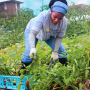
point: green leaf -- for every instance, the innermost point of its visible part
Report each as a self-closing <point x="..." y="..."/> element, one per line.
<point x="22" y="76"/>
<point x="18" y="86"/>
<point x="61" y="73"/>
<point x="61" y="55"/>
<point x="86" y="74"/>
<point x="76" y="73"/>
<point x="76" y="61"/>
<point x="66" y="81"/>
<point x="73" y="67"/>
<point x="74" y="87"/>
<point x="80" y="86"/>
<point x="22" y="71"/>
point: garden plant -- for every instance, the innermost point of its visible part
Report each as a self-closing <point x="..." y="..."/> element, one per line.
<point x="74" y="76"/>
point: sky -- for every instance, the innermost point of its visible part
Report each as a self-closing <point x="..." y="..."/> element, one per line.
<point x="36" y="4"/>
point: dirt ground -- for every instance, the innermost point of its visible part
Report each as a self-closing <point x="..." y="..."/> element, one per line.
<point x="86" y="86"/>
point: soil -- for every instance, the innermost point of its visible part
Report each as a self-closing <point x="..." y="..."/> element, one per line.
<point x="86" y="86"/>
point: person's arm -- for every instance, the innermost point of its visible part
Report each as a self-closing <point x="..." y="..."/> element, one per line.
<point x="58" y="41"/>
<point x="60" y="35"/>
<point x="37" y="25"/>
<point x="32" y="37"/>
<point x="54" y="55"/>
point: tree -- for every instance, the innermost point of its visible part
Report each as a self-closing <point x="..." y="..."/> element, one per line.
<point x="42" y="8"/>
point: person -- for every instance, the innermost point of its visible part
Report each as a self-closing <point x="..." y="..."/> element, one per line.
<point x="48" y="26"/>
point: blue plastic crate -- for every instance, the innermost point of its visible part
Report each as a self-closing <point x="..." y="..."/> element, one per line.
<point x="8" y="82"/>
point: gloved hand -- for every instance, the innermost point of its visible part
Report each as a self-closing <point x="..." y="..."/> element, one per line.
<point x="33" y="53"/>
<point x="54" y="56"/>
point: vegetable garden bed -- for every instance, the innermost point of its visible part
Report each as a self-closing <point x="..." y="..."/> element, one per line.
<point x="75" y="76"/>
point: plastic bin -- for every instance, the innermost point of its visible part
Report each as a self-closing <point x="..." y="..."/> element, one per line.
<point x="11" y="82"/>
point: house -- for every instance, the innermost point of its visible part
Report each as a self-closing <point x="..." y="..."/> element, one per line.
<point x="10" y="6"/>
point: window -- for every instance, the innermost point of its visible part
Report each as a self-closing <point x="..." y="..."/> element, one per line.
<point x="5" y="6"/>
<point x="0" y="8"/>
<point x="16" y="8"/>
<point x="16" y="5"/>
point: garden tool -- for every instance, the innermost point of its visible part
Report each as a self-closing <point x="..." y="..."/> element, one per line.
<point x="54" y="57"/>
<point x="52" y="61"/>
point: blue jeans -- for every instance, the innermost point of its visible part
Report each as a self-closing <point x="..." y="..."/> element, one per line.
<point x="51" y="42"/>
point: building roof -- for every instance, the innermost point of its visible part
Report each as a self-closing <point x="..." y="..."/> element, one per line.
<point x="2" y="1"/>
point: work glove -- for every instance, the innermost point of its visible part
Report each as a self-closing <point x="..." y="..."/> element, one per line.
<point x="54" y="56"/>
<point x="33" y="53"/>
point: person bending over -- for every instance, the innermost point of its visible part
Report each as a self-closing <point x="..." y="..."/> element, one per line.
<point x="48" y="26"/>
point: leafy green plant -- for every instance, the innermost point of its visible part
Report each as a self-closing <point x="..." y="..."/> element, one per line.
<point x="77" y="48"/>
<point x="76" y="70"/>
<point x="13" y="30"/>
